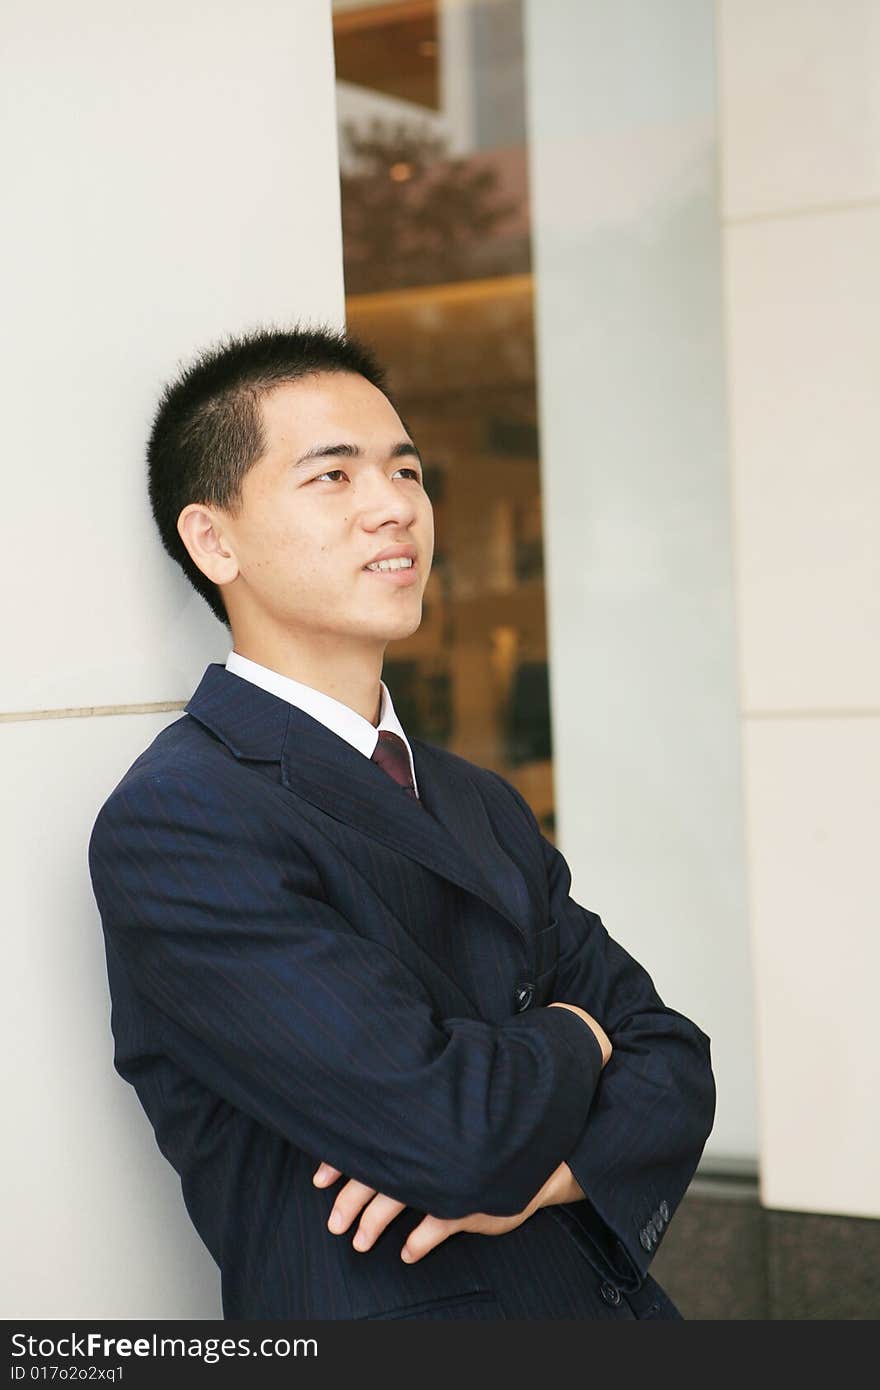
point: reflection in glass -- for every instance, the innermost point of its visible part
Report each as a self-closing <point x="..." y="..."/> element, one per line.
<point x="437" y="257"/>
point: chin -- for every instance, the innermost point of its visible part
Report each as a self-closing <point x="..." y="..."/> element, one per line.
<point x="404" y="627"/>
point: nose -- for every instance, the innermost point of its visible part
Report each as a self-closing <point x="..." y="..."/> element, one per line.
<point x="382" y="498"/>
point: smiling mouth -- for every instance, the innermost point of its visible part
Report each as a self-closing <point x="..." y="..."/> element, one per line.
<point x="398" y="562"/>
<point x="401" y="575"/>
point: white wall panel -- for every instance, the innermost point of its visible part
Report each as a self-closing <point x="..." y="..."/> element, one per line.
<point x="800" y="103"/>
<point x="636" y="504"/>
<point x="170" y="176"/>
<point x="804" y="361"/>
<point x="95" y="1224"/>
<point x="813" y="819"/>
<point x="800" y="115"/>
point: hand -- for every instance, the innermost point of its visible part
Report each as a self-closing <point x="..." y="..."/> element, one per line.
<point x="378" y="1211"/>
<point x="561" y="1186"/>
<point x="601" y="1036"/>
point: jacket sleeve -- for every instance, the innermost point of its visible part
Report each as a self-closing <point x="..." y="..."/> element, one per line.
<point x="654" y="1106"/>
<point x="257" y="987"/>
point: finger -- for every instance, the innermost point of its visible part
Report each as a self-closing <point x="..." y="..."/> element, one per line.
<point x="377" y="1214"/>
<point x="349" y="1201"/>
<point x="324" y="1175"/>
<point x="430" y="1232"/>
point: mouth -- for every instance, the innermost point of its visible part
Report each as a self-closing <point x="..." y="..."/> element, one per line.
<point x="403" y="577"/>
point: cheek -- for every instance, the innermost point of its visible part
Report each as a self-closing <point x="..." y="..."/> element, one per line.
<point x="271" y="543"/>
<point x="296" y="555"/>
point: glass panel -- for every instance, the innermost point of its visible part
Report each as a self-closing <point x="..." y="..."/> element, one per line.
<point x="437" y="255"/>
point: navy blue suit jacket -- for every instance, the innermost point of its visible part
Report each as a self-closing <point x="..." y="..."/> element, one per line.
<point x="305" y="964"/>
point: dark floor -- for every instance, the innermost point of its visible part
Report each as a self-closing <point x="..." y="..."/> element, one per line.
<point x="724" y="1256"/>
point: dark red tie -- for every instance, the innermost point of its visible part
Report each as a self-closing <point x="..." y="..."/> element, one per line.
<point x="391" y="755"/>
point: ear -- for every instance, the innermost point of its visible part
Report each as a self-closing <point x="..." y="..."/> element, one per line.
<point x="202" y="531"/>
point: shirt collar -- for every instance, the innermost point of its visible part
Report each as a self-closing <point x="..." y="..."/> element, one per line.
<point x="340" y="718"/>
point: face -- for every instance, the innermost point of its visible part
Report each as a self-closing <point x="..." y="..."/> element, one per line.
<point x="309" y="525"/>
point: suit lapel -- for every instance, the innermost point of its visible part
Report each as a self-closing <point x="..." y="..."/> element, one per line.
<point x="454" y="839"/>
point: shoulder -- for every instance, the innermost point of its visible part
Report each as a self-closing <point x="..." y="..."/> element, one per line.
<point x="183" y="765"/>
<point x="183" y="742"/>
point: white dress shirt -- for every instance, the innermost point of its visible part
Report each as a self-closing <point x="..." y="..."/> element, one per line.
<point x="339" y="718"/>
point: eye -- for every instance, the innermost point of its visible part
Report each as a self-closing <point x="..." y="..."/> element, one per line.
<point x="331" y="471"/>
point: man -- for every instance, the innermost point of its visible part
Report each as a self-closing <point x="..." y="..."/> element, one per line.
<point x="400" y="1072"/>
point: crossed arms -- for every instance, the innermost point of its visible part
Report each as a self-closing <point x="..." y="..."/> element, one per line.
<point x="257" y="987"/>
<point x="377" y="1210"/>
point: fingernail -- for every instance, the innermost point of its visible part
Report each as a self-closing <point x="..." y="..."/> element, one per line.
<point x="406" y="1256"/>
<point x="336" y="1222"/>
<point x="360" y="1241"/>
<point x="319" y="1174"/>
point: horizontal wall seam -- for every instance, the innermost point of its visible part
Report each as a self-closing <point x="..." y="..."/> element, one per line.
<point x="161" y="706"/>
<point x="811" y="210"/>
<point x="85" y="711"/>
<point x="811" y="714"/>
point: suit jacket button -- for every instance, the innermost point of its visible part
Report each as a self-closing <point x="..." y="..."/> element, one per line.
<point x="610" y="1294"/>
<point x="524" y="995"/>
<point x="664" y="1210"/>
<point x="645" y="1240"/>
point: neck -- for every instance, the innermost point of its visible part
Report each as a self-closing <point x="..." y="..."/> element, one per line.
<point x="350" y="676"/>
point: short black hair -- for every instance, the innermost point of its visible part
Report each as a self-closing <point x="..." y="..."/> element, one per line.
<point x="208" y="427"/>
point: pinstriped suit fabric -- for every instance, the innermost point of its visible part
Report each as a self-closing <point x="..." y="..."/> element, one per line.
<point x="305" y="965"/>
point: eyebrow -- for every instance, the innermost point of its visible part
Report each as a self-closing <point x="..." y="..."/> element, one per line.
<point x="405" y="449"/>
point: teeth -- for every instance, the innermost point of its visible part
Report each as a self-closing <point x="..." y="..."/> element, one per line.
<point x="401" y="563"/>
